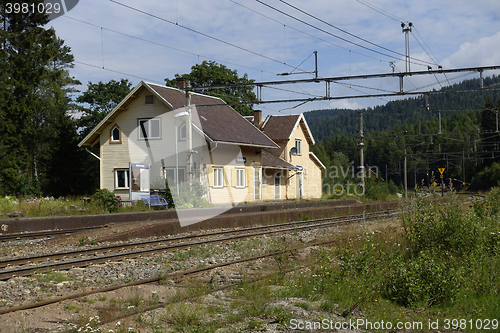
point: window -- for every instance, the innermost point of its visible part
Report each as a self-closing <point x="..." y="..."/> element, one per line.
<point x="169" y="174"/>
<point x="148" y="99"/>
<point x="218" y="177"/>
<point x="240" y="177"/>
<point x="121" y="178"/>
<point x="149" y="129"/>
<point x="182" y="132"/>
<point x="298" y="146"/>
<point x="116" y="135"/>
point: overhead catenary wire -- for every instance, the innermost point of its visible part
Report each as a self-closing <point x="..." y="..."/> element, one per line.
<point x="416" y="61"/>
<point x="166" y="46"/>
<point x="200" y="33"/>
<point x="381" y="11"/>
<point x="303" y="32"/>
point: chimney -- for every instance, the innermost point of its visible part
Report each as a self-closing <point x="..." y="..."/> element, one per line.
<point x="257" y="117"/>
<point x="183" y="83"/>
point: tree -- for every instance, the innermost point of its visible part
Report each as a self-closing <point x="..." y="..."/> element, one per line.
<point x="210" y="73"/>
<point x="27" y="52"/>
<point x="99" y="99"/>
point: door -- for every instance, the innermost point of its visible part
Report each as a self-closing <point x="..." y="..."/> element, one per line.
<point x="298" y="184"/>
<point x="257" y="183"/>
<point x="277" y="185"/>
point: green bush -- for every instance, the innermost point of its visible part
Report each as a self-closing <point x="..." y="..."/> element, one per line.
<point x="107" y="200"/>
<point x="441" y="229"/>
<point x="422" y="280"/>
<point x="189" y="195"/>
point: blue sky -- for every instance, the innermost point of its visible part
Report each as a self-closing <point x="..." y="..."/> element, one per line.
<point x="456" y="34"/>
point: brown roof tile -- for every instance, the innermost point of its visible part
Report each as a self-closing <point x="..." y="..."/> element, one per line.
<point x="271" y="161"/>
<point x="219" y="122"/>
<point x="280" y="127"/>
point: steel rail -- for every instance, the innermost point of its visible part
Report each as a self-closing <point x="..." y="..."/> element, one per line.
<point x="173" y="276"/>
<point x="45" y="234"/>
<point x="95" y="251"/>
<point x="259" y="231"/>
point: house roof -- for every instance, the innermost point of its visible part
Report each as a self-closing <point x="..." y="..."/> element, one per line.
<point x="283" y="127"/>
<point x="219" y="122"/>
<point x="271" y="161"/>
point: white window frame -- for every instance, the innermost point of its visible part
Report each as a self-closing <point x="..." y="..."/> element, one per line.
<point x="127" y="182"/>
<point x="218" y="177"/>
<point x="112" y="140"/>
<point x="298" y="146"/>
<point x="149" y="127"/>
<point x="240" y="178"/>
<point x="176" y="176"/>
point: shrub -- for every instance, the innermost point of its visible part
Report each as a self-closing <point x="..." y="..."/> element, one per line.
<point x="442" y="229"/>
<point x="423" y="279"/>
<point x="189" y="195"/>
<point x="107" y="200"/>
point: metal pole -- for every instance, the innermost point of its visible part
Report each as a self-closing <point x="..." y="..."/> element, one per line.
<point x="176" y="159"/>
<point x="497" y="118"/>
<point x="316" y="64"/>
<point x="189" y="132"/>
<point x="439" y="115"/>
<point x="405" y="180"/>
<point x="463" y="162"/>
<point x="361" y="144"/>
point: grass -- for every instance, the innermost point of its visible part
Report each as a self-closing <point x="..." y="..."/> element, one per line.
<point x="49" y="206"/>
<point x="56" y="277"/>
<point x="441" y="264"/>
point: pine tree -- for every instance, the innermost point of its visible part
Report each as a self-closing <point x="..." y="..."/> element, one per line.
<point x="31" y="99"/>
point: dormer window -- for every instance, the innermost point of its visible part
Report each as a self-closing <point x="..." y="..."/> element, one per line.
<point x="182" y="132"/>
<point x="148" y="99"/>
<point x="116" y="135"/>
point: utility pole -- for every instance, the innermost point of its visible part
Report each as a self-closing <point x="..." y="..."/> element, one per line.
<point x="439" y="116"/>
<point x="406" y="179"/>
<point x="406" y="31"/>
<point x="361" y="144"/>
<point x="497" y="117"/>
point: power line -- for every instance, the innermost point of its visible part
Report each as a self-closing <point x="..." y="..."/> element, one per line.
<point x="118" y="72"/>
<point x="303" y="32"/>
<point x="381" y="11"/>
<point x="340" y="29"/>
<point x="166" y="46"/>
<point x="200" y="33"/>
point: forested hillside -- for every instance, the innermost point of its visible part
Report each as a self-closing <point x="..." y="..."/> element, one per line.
<point x="467" y="146"/>
<point x="330" y="122"/>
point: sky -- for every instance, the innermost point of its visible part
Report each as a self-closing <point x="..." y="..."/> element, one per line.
<point x="155" y="39"/>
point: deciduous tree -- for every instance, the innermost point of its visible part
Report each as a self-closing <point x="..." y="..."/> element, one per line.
<point x="210" y="73"/>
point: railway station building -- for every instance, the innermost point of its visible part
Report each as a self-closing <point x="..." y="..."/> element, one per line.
<point x="158" y="133"/>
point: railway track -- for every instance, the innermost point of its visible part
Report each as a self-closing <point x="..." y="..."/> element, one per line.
<point x="26" y="266"/>
<point x="176" y="276"/>
<point x="45" y="234"/>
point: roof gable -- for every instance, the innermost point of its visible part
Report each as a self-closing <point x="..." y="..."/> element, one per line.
<point x="218" y="121"/>
<point x="283" y="127"/>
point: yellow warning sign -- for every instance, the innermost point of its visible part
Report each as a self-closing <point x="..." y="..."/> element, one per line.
<point x="441" y="170"/>
<point x="441" y="176"/>
<point x="435" y="184"/>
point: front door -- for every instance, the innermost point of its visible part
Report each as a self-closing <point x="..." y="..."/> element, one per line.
<point x="257" y="185"/>
<point x="277" y="185"/>
<point x="298" y="184"/>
